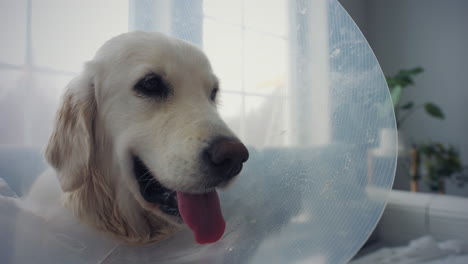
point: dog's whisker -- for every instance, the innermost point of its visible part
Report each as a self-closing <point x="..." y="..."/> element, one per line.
<point x="146" y="173"/>
<point x="148" y="184"/>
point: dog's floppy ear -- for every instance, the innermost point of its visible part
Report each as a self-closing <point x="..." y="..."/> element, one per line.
<point x="70" y="146"/>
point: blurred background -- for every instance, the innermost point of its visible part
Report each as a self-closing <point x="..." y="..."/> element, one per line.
<point x="420" y="45"/>
<point x="426" y="39"/>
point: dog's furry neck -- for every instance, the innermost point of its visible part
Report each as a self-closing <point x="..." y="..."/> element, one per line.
<point x="102" y="204"/>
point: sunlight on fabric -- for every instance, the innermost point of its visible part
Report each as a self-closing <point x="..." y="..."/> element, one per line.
<point x="254" y="53"/>
<point x="78" y="28"/>
<point x="44" y="44"/>
<point x="13" y="38"/>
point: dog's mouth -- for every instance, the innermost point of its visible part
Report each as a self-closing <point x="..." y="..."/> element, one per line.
<point x="153" y="191"/>
<point x="201" y="212"/>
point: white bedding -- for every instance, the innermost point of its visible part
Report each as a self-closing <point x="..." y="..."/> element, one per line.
<point x="422" y="250"/>
<point x="425" y="250"/>
<point x="5" y="189"/>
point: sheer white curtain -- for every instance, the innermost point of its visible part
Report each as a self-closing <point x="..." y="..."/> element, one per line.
<point x="44" y="44"/>
<point x="258" y="49"/>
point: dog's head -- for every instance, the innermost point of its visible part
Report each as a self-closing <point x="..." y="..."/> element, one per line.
<point x="147" y="103"/>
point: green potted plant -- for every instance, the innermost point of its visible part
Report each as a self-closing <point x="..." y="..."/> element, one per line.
<point x="400" y="81"/>
<point x="440" y="162"/>
<point x="397" y="84"/>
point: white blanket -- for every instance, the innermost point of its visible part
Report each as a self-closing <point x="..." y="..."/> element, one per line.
<point x="5" y="190"/>
<point x="422" y="250"/>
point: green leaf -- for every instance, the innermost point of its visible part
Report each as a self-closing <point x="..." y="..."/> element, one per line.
<point x="416" y="70"/>
<point x="396" y="93"/>
<point x="407" y="106"/>
<point x="434" y="111"/>
<point x="403" y="78"/>
<point x="390" y="81"/>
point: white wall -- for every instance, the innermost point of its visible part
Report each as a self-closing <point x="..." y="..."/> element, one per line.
<point x="358" y="10"/>
<point x="432" y="34"/>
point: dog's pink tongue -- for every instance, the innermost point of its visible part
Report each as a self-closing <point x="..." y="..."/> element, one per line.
<point x="202" y="213"/>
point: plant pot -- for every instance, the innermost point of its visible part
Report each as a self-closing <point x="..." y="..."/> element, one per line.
<point x="402" y="177"/>
<point x="414" y="170"/>
<point x="404" y="147"/>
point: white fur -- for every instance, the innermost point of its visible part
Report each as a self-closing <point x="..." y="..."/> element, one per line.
<point x="102" y="123"/>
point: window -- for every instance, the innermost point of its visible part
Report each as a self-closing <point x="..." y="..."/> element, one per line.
<point x="249" y="52"/>
<point x="256" y="52"/>
<point x="44" y="44"/>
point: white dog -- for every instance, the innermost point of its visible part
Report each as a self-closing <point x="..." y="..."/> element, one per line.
<point x="138" y="146"/>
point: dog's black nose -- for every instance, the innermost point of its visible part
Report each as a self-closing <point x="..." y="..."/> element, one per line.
<point x="226" y="156"/>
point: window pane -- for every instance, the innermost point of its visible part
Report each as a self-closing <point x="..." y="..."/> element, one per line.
<point x="223" y="10"/>
<point x="266" y="121"/>
<point x="68" y="33"/>
<point x="28" y="103"/>
<point x="222" y="44"/>
<point x="13" y="31"/>
<point x="10" y="105"/>
<point x="8" y="80"/>
<point x="42" y="106"/>
<point x="272" y="19"/>
<point x="265" y="64"/>
<point x="230" y="108"/>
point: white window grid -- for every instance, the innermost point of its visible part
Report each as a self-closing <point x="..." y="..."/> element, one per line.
<point x="29" y="67"/>
<point x="243" y="93"/>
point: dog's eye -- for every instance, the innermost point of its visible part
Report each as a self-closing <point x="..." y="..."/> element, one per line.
<point x="213" y="94"/>
<point x="153" y="85"/>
